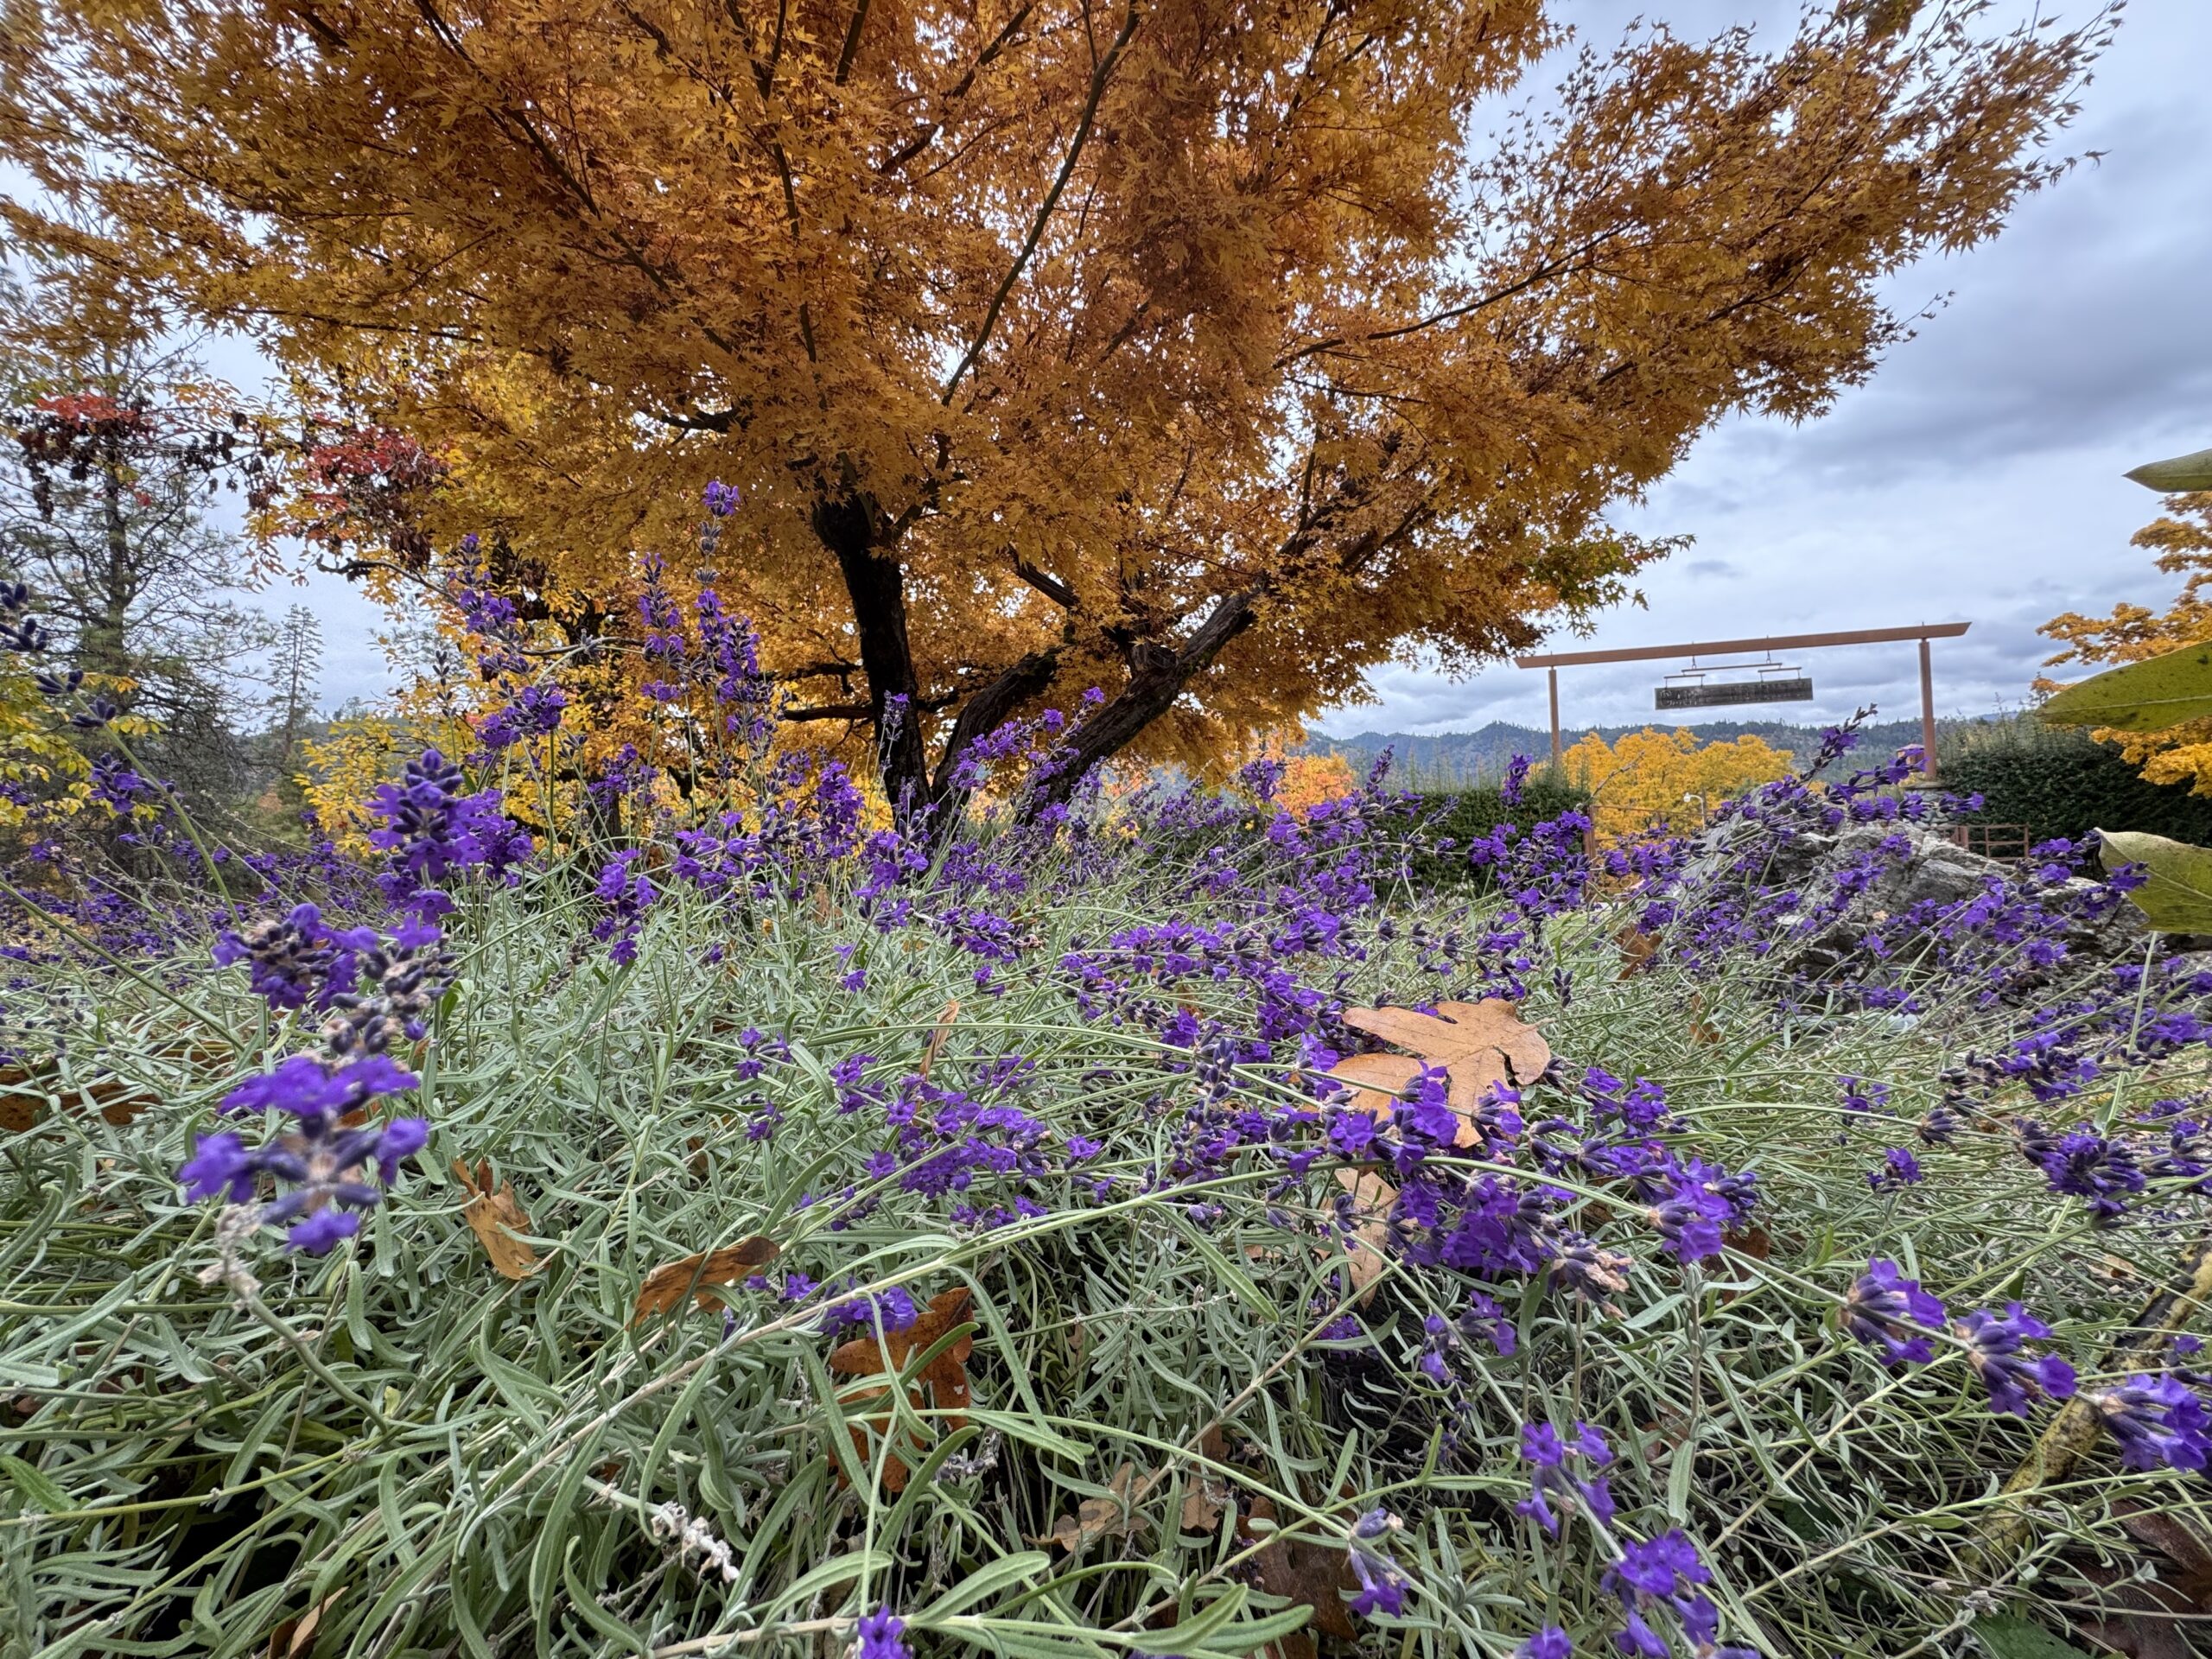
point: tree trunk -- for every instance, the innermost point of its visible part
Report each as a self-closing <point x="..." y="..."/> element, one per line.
<point x="1157" y="676"/>
<point x="988" y="709"/>
<point x="876" y="584"/>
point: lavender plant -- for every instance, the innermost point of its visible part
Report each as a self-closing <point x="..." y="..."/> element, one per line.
<point x="1666" y="1354"/>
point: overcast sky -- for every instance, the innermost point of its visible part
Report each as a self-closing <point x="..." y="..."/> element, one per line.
<point x="1977" y="477"/>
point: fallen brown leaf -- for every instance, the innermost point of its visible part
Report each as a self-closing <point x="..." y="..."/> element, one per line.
<point x="946" y="1377"/>
<point x="117" y="1100"/>
<point x="498" y="1219"/>
<point x="294" y="1637"/>
<point x="667" y="1287"/>
<point x="1752" y="1241"/>
<point x="1096" y="1517"/>
<point x="1480" y="1044"/>
<point x="1375" y="1081"/>
<point x="1307" y="1575"/>
<point x="1637" y="949"/>
<point x="1200" y="1511"/>
<point x="934" y="1045"/>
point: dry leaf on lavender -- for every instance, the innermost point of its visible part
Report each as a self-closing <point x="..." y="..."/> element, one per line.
<point x="498" y="1219"/>
<point x="667" y="1287"/>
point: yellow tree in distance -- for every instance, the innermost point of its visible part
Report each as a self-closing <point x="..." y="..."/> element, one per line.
<point x="1653" y="780"/>
<point x="1207" y="352"/>
<point x="2182" y="538"/>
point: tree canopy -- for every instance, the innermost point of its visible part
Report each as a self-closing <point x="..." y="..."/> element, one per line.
<point x="1208" y="352"/>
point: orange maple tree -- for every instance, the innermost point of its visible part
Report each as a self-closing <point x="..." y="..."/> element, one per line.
<point x="2182" y="540"/>
<point x="1208" y="351"/>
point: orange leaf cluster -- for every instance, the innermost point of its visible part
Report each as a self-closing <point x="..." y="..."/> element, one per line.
<point x="2183" y="542"/>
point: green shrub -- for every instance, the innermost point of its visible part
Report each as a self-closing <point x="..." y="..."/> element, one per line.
<point x="2061" y="782"/>
<point x="1464" y="815"/>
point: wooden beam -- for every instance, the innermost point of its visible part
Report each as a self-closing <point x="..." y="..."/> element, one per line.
<point x="1723" y="647"/>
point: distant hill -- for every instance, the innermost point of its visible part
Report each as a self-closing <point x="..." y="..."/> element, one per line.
<point x="1455" y="759"/>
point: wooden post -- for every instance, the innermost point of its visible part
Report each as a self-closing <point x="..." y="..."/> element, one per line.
<point x="1927" y="714"/>
<point x="1553" y="676"/>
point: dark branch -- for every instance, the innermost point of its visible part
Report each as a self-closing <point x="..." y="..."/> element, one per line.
<point x="988" y="709"/>
<point x="1048" y="584"/>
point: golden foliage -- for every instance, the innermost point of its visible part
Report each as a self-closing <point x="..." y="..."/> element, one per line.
<point x="344" y="769"/>
<point x="2183" y="541"/>
<point x="1653" y="780"/>
<point x="1303" y="781"/>
<point x="1190" y="349"/>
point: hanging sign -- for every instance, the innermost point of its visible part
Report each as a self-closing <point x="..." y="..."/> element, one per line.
<point x="1729" y="694"/>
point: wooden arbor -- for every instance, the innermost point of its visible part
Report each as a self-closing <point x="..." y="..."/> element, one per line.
<point x="1554" y="661"/>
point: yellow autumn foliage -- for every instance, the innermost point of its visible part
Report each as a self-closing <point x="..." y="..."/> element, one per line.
<point x="2183" y="541"/>
<point x="1654" y="779"/>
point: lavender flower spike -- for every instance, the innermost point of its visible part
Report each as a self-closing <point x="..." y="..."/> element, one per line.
<point x="2013" y="1378"/>
<point x="1885" y="1309"/>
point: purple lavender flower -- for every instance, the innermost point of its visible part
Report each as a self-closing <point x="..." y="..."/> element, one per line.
<point x="324" y="1165"/>
<point x="1587" y="1270"/>
<point x="627" y="898"/>
<point x="1517" y="774"/>
<point x="1860" y="1094"/>
<point x="221" y="1168"/>
<point x="2086" y="1165"/>
<point x="431" y="832"/>
<point x="1886" y="1310"/>
<point x="1381" y="1584"/>
<point x="879" y="1636"/>
<point x="1662" y="1574"/>
<point x="2158" y="1421"/>
<point x="1550" y="1643"/>
<point x="1689" y="1218"/>
<point x="309" y="1087"/>
<point x="1484" y="1319"/>
<point x="1940" y="1127"/>
<point x="1547" y="1455"/>
<point x="893" y="1309"/>
<point x="1899" y="1168"/>
<point x="2013" y="1378"/>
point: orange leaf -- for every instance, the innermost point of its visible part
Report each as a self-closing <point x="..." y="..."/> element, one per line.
<point x="1200" y="1510"/>
<point x="1637" y="949"/>
<point x="1307" y="1575"/>
<point x="498" y="1219"/>
<point x="667" y="1287"/>
<point x="1377" y="1080"/>
<point x="294" y="1637"/>
<point x="946" y="1375"/>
